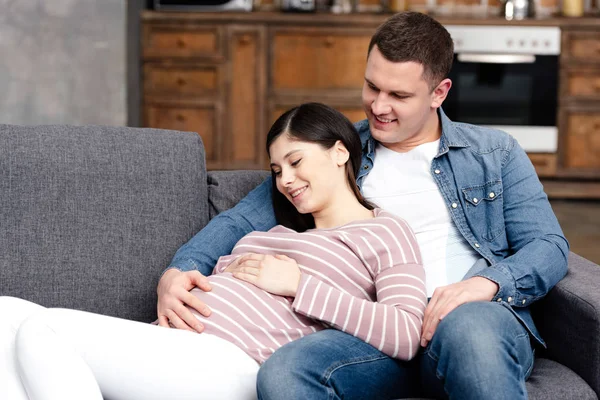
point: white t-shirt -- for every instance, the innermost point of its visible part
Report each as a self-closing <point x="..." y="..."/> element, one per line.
<point x="402" y="184"/>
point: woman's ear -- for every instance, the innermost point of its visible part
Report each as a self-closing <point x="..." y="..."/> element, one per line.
<point x="340" y="153"/>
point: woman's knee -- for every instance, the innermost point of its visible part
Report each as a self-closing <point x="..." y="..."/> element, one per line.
<point x="14" y="311"/>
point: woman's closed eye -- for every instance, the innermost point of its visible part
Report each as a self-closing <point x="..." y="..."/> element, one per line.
<point x="295" y="163"/>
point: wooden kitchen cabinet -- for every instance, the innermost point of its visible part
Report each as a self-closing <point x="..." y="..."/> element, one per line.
<point x="579" y="113"/>
<point x="228" y="76"/>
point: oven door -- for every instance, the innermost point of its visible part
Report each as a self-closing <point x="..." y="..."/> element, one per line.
<point x="516" y="93"/>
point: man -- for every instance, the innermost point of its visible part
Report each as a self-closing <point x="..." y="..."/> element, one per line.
<point x="491" y="244"/>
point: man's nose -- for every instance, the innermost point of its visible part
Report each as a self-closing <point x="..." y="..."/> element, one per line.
<point x="381" y="104"/>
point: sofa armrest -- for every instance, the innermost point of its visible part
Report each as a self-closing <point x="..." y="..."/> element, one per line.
<point x="227" y="188"/>
<point x="569" y="320"/>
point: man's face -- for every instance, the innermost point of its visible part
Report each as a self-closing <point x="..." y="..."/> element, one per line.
<point x="399" y="105"/>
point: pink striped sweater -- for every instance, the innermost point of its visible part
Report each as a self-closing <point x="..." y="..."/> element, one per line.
<point x="365" y="278"/>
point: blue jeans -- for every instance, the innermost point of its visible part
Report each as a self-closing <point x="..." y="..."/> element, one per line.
<point x="479" y="351"/>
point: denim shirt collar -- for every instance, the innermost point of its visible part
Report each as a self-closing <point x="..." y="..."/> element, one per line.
<point x="451" y="136"/>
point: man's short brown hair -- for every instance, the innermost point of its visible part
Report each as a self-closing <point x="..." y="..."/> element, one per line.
<point x="412" y="36"/>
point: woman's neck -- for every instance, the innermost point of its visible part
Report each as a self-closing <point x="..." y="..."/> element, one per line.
<point x="342" y="210"/>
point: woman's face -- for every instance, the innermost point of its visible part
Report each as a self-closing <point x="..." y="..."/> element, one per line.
<point x="306" y="174"/>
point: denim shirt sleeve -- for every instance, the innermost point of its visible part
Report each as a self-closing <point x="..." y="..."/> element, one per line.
<point x="253" y="213"/>
<point x="539" y="248"/>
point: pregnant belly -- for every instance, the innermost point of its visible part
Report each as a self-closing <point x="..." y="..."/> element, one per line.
<point x="257" y="321"/>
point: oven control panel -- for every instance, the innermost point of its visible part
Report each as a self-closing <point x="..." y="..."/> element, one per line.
<point x="539" y="40"/>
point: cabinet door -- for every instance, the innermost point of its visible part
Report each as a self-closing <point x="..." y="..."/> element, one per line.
<point x="581" y="142"/>
<point x="313" y="59"/>
<point x="245" y="131"/>
<point x="182" y="41"/>
<point x="205" y="119"/>
<point x="581" y="46"/>
<point x="581" y="83"/>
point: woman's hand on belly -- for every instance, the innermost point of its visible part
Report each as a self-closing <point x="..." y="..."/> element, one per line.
<point x="279" y="274"/>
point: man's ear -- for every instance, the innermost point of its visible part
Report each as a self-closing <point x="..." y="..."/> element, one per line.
<point x="340" y="153"/>
<point x="440" y="93"/>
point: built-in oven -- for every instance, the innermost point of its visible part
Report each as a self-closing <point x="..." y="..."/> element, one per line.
<point x="507" y="77"/>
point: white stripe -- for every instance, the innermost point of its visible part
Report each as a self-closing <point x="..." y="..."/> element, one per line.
<point x="326" y="302"/>
<point x="207" y="322"/>
<point x="343" y="247"/>
<point x="389" y="252"/>
<point x="266" y="332"/>
<point x="239" y="327"/>
<point x="348" y="314"/>
<point x="378" y="280"/>
<point x="408" y="241"/>
<point x="314" y="244"/>
<point x="384" y="330"/>
<point x="317" y="259"/>
<point x="360" y="316"/>
<point x="323" y="277"/>
<point x="314" y="298"/>
<point x="383" y="226"/>
<point x="337" y="308"/>
<point x="368" y="340"/>
<point x="301" y="296"/>
<point x="399" y="286"/>
<point x="404" y="296"/>
<point x="247" y="289"/>
<point x="287" y="307"/>
<point x="376" y="256"/>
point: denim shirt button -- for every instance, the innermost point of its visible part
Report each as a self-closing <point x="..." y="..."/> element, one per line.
<point x="476" y="244"/>
<point x="523" y="301"/>
<point x="475" y="200"/>
<point x="492" y="195"/>
<point x="454" y="205"/>
<point x="366" y="167"/>
<point x="499" y="299"/>
<point x="437" y="171"/>
<point x="509" y="299"/>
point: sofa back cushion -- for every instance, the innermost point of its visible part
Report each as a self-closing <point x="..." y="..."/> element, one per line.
<point x="90" y="216"/>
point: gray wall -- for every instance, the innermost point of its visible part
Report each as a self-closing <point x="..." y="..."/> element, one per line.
<point x="63" y="62"/>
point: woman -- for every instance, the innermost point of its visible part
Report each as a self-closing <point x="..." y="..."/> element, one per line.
<point x="333" y="262"/>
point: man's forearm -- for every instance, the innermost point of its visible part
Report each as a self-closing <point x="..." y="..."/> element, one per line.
<point x="201" y="252"/>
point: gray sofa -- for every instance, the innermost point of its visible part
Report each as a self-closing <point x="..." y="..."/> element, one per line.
<point x="90" y="216"/>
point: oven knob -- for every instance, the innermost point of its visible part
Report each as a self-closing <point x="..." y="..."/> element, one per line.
<point x="547" y="43"/>
<point x="509" y="42"/>
<point x="458" y="42"/>
<point x="522" y="43"/>
<point x="534" y="43"/>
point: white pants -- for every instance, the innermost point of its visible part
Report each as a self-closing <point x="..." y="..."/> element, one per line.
<point x="73" y="355"/>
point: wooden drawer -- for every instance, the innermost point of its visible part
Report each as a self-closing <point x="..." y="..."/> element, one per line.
<point x="202" y="119"/>
<point x="175" y="41"/>
<point x="544" y="163"/>
<point x="181" y="80"/>
<point x="583" y="83"/>
<point x="581" y="46"/>
<point x="319" y="59"/>
<point x="582" y="140"/>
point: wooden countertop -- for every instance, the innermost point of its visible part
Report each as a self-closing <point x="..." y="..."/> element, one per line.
<point x="357" y="19"/>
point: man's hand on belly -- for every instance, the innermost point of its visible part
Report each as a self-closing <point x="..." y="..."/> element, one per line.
<point x="174" y="295"/>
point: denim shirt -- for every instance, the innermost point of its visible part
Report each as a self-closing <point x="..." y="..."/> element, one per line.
<point x="493" y="195"/>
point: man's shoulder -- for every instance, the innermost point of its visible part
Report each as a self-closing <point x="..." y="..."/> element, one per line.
<point x="481" y="138"/>
<point x="362" y="127"/>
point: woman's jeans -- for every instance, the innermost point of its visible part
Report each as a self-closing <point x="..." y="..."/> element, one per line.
<point x="479" y="351"/>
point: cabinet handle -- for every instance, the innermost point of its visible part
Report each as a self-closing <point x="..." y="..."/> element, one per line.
<point x="180" y="118"/>
<point x="180" y="81"/>
<point x="244" y="39"/>
<point x="329" y="41"/>
<point x="180" y="43"/>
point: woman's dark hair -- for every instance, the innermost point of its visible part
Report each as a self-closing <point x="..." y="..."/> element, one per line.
<point x="320" y="124"/>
